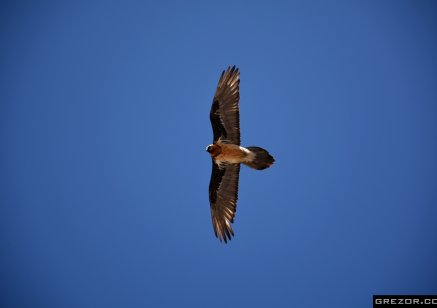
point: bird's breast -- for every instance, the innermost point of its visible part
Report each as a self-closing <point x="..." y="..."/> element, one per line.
<point x="231" y="153"/>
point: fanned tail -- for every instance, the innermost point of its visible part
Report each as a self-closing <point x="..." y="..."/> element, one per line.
<point x="262" y="159"/>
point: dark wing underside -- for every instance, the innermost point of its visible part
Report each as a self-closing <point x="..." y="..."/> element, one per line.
<point x="223" y="195"/>
<point x="225" y="114"/>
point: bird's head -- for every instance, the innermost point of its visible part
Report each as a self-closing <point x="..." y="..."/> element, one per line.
<point x="213" y="149"/>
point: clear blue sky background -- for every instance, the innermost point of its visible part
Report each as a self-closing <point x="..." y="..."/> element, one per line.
<point x="104" y="119"/>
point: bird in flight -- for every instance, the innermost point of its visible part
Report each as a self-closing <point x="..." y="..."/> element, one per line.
<point x="227" y="154"/>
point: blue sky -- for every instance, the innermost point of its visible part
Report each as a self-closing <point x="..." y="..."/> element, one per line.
<point x="104" y="119"/>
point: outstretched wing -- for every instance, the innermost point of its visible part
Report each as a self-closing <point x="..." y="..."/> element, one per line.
<point x="225" y="113"/>
<point x="223" y="195"/>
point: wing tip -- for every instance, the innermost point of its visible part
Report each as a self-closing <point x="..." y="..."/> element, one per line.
<point x="225" y="238"/>
<point x="231" y="71"/>
<point x="222" y="230"/>
<point x="224" y="234"/>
